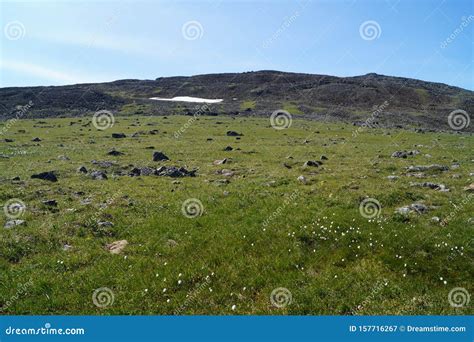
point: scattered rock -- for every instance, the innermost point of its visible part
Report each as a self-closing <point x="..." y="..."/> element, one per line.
<point x="103" y="163"/>
<point x="404" y="154"/>
<point x="469" y="188"/>
<point x="302" y="179"/>
<point x="434" y="186"/>
<point x="8" y="140"/>
<point x="50" y="203"/>
<point x="415" y="207"/>
<point x="392" y="178"/>
<point x="63" y="158"/>
<point x="233" y="134"/>
<point x="13" y="223"/>
<point x="220" y="161"/>
<point x="115" y="153"/>
<point x="159" y="156"/>
<point x="117" y="247"/>
<point x="82" y="169"/>
<point x="323" y="157"/>
<point x="98" y="175"/>
<point x="141" y="171"/>
<point x="171" y="243"/>
<point x="105" y="224"/>
<point x="67" y="247"/>
<point x="49" y="176"/>
<point x="312" y="163"/>
<point x="433" y="167"/>
<point x="228" y="148"/>
<point x="118" y="135"/>
<point x="36" y="139"/>
<point x="435" y="219"/>
<point x="175" y="172"/>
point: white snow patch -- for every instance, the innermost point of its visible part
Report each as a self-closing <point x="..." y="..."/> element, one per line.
<point x="187" y="99"/>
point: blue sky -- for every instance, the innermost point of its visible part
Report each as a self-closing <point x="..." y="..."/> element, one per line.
<point x="65" y="42"/>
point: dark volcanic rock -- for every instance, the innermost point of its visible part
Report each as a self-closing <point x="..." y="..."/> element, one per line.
<point x="404" y="154"/>
<point x="228" y="148"/>
<point x="98" y="175"/>
<point x="312" y="163"/>
<point x="159" y="156"/>
<point x="433" y="167"/>
<point x="173" y="171"/>
<point x="103" y="163"/>
<point x="118" y="135"/>
<point x="36" y="139"/>
<point x="49" y="176"/>
<point x="8" y="140"/>
<point x="51" y="203"/>
<point x="115" y="153"/>
<point x="141" y="171"/>
<point x="233" y="134"/>
<point x="82" y="169"/>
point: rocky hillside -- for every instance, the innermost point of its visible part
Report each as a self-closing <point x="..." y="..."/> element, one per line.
<point x="384" y="100"/>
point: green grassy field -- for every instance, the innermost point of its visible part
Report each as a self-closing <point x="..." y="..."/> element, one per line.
<point x="259" y="230"/>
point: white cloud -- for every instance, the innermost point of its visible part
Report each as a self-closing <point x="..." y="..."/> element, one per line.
<point x="119" y="43"/>
<point x="44" y="72"/>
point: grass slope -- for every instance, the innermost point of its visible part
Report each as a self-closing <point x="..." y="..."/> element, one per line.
<point x="261" y="231"/>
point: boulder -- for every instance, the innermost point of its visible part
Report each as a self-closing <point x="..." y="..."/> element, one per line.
<point x="13" y="223"/>
<point x="98" y="175"/>
<point x="159" y="156"/>
<point x="116" y="247"/>
<point x="118" y="135"/>
<point x="49" y="176"/>
<point x="233" y="134"/>
<point x="115" y="153"/>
